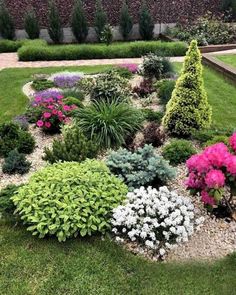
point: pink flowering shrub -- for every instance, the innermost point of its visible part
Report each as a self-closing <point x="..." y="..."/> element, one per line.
<point x="212" y="174"/>
<point x="53" y="113"/>
<point x="133" y="68"/>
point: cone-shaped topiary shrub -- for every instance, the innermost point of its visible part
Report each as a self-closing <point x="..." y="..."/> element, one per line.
<point x="100" y="20"/>
<point x="146" y="23"/>
<point x="126" y="23"/>
<point x="79" y="23"/>
<point x="55" y="30"/>
<point x="188" y="110"/>
<point x="31" y="25"/>
<point x="7" y="27"/>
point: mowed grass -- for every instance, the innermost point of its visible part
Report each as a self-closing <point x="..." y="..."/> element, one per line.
<point x="229" y="59"/>
<point x="94" y="266"/>
<point x="221" y="92"/>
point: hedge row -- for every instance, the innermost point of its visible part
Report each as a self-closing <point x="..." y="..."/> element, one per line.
<point x="13" y="46"/>
<point x="97" y="51"/>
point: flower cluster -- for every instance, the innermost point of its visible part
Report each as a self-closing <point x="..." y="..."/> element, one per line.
<point x="54" y="113"/>
<point x="133" y="68"/>
<point x="211" y="171"/>
<point x="41" y="96"/>
<point x="154" y="219"/>
<point x="67" y="79"/>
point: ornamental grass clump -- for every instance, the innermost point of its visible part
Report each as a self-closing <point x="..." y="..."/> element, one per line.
<point x="69" y="199"/>
<point x="212" y="174"/>
<point x="140" y="168"/>
<point x="109" y="124"/>
<point x="188" y="109"/>
<point x="154" y="219"/>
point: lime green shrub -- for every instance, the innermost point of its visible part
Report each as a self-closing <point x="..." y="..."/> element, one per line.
<point x="70" y="199"/>
<point x="188" y="110"/>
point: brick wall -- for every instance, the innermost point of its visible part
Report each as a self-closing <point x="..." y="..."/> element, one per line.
<point x="166" y="11"/>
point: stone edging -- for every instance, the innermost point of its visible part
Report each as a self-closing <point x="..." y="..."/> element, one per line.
<point x="227" y="70"/>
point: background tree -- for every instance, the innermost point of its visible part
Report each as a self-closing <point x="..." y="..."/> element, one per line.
<point x="100" y="19"/>
<point x="55" y="29"/>
<point x="31" y="25"/>
<point x="146" y="23"/>
<point x="126" y="23"/>
<point x="188" y="110"/>
<point x="229" y="7"/>
<point x="79" y="23"/>
<point x="7" y="28"/>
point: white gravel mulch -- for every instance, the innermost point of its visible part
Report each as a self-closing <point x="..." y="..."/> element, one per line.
<point x="215" y="239"/>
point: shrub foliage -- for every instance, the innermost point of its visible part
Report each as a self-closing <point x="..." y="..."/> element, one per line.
<point x="67" y="199"/>
<point x="32" y="25"/>
<point x="126" y="23"/>
<point x="109" y="124"/>
<point x="188" y="110"/>
<point x="74" y="147"/>
<point x="7" y="28"/>
<point x="142" y="167"/>
<point x="146" y="23"/>
<point x="79" y="23"/>
<point x="55" y="29"/>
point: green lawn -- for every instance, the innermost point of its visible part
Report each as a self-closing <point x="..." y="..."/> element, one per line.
<point x="228" y="59"/>
<point x="86" y="267"/>
<point x="221" y="93"/>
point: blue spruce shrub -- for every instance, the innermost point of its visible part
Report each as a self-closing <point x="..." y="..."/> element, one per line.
<point x="140" y="168"/>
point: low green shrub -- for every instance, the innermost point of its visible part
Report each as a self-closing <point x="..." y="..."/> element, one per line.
<point x="109" y="87"/>
<point x="165" y="89"/>
<point x="13" y="46"/>
<point x="97" y="51"/>
<point x="123" y="72"/>
<point x="74" y="147"/>
<point x="178" y="151"/>
<point x="74" y="92"/>
<point x="206" y="135"/>
<point x="70" y="199"/>
<point x="153" y="116"/>
<point x="73" y="101"/>
<point x="217" y="139"/>
<point x="13" y="137"/>
<point x="15" y="163"/>
<point x="109" y="124"/>
<point x="155" y="66"/>
<point x="140" y="168"/>
<point x="6" y="204"/>
<point x="42" y="84"/>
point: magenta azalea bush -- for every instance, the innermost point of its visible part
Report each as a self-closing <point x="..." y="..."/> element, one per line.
<point x="212" y="174"/>
<point x="54" y="112"/>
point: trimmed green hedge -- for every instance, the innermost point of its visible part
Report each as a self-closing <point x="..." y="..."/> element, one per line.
<point x="97" y="51"/>
<point x="13" y="46"/>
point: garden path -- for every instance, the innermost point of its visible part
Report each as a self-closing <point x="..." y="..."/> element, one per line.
<point x="10" y="60"/>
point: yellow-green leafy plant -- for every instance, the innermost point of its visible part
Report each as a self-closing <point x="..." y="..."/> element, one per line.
<point x="188" y="109"/>
<point x="70" y="199"/>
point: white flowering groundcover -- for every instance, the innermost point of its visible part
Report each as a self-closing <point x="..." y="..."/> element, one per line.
<point x="156" y="220"/>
